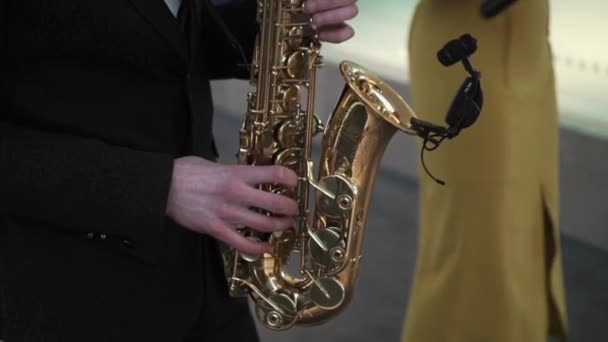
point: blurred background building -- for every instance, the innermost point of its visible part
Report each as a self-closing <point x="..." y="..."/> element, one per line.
<point x="577" y="35"/>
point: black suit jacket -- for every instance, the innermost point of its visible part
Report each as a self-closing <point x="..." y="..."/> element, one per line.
<point x="98" y="97"/>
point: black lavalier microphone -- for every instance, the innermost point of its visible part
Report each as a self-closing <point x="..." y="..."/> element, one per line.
<point x="491" y="8"/>
<point x="457" y="49"/>
<point x="466" y="105"/>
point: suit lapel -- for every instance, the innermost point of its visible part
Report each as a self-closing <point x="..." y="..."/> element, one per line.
<point x="159" y="16"/>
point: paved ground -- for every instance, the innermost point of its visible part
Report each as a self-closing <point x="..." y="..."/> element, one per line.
<point x="378" y="309"/>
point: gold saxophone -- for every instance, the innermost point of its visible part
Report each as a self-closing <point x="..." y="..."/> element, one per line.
<point x="310" y="275"/>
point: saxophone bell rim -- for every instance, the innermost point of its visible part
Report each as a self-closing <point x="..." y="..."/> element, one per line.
<point x="381" y="98"/>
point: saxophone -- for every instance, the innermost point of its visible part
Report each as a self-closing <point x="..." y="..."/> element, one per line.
<point x="310" y="275"/>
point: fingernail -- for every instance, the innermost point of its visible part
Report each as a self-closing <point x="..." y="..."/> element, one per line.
<point x="312" y="24"/>
<point x="306" y="5"/>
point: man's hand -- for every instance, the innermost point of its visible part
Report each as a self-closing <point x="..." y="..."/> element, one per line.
<point x="330" y="16"/>
<point x="214" y="199"/>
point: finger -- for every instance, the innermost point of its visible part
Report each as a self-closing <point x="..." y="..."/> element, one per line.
<point x="274" y="203"/>
<point x="315" y="6"/>
<point x="235" y="240"/>
<point x="255" y="175"/>
<point x="334" y="17"/>
<point x="260" y="222"/>
<point x="336" y="34"/>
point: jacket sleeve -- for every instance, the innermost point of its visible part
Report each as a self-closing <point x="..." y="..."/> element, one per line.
<point x="84" y="186"/>
<point x="232" y="35"/>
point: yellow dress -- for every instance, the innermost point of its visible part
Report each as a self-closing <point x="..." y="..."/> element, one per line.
<point x="489" y="263"/>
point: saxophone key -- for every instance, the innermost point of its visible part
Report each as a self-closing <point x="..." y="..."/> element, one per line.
<point x="278" y="311"/>
<point x="283" y="242"/>
<point x="327" y="293"/>
<point x="343" y="201"/>
<point x="289" y="133"/>
<point x="289" y="97"/>
<point x="328" y="251"/>
<point x="250" y="257"/>
<point x="297" y="65"/>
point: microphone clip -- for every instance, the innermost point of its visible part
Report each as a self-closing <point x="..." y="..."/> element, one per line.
<point x="466" y="105"/>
